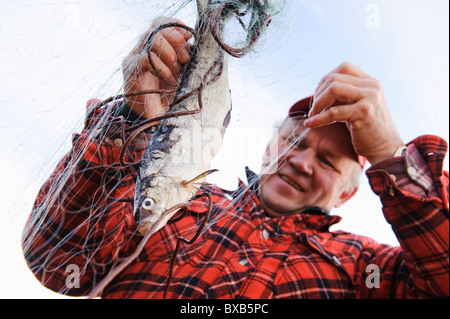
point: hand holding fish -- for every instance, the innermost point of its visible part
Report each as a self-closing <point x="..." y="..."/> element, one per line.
<point x="173" y="168"/>
<point x="169" y="50"/>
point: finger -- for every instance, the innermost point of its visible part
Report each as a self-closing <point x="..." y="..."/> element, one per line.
<point x="342" y="78"/>
<point x="178" y="43"/>
<point x="157" y="22"/>
<point x="336" y="93"/>
<point x="161" y="68"/>
<point x="184" y="31"/>
<point x="344" y="68"/>
<point x="159" y="45"/>
<point x="350" y="69"/>
<point x="341" y="113"/>
<point x="135" y="66"/>
<point x="145" y="37"/>
<point x="176" y="36"/>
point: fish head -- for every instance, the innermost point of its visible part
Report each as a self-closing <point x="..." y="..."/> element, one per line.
<point x="155" y="204"/>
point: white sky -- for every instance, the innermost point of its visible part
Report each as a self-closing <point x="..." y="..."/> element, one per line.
<point x="55" y="55"/>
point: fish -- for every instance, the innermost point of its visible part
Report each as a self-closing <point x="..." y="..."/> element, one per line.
<point x="178" y="157"/>
<point x="180" y="152"/>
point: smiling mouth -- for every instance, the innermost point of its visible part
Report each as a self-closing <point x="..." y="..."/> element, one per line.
<point x="292" y="183"/>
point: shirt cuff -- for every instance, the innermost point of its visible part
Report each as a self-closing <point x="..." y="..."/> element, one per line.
<point x="410" y="173"/>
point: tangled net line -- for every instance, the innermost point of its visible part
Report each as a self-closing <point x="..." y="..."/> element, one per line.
<point x="260" y="20"/>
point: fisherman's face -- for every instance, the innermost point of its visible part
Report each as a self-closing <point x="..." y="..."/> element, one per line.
<point x="316" y="171"/>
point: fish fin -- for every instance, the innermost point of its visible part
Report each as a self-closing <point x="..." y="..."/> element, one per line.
<point x="202" y="175"/>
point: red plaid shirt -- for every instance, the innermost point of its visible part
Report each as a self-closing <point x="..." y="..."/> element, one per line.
<point x="243" y="253"/>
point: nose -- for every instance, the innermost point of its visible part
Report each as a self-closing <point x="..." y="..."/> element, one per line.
<point x="302" y="160"/>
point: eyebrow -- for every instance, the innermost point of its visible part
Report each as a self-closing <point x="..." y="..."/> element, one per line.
<point x="306" y="143"/>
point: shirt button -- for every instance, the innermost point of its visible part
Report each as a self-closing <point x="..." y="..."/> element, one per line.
<point x="118" y="142"/>
<point x="265" y="234"/>
<point x="393" y="177"/>
<point x="391" y="190"/>
<point x="243" y="262"/>
<point x="411" y="171"/>
<point x="337" y="261"/>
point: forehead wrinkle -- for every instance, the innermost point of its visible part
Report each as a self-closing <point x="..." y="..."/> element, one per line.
<point x="314" y="138"/>
<point x="320" y="148"/>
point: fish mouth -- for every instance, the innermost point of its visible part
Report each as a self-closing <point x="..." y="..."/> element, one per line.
<point x="144" y="227"/>
<point x="146" y="221"/>
<point x="291" y="182"/>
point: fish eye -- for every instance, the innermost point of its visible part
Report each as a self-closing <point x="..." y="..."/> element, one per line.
<point x="147" y="204"/>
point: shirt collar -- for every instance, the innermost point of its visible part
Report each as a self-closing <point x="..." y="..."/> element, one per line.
<point x="308" y="218"/>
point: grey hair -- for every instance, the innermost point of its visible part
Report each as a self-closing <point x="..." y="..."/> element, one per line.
<point x="355" y="178"/>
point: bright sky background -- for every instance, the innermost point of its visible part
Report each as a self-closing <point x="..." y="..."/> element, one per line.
<point x="55" y="55"/>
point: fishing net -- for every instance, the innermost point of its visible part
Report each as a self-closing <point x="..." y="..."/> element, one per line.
<point x="99" y="121"/>
<point x="52" y="246"/>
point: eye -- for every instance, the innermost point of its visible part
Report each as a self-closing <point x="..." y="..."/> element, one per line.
<point x="291" y="141"/>
<point x="297" y="143"/>
<point x="325" y="161"/>
<point x="147" y="203"/>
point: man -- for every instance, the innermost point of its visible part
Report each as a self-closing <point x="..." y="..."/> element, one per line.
<point x="271" y="240"/>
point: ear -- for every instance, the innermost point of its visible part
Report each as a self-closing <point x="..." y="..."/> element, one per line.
<point x="265" y="158"/>
<point x="345" y="196"/>
<point x="266" y="167"/>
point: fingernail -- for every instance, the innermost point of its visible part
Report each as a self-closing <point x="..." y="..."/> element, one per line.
<point x="311" y="123"/>
<point x="187" y="34"/>
<point x="307" y="122"/>
<point x="176" y="68"/>
<point x="184" y="56"/>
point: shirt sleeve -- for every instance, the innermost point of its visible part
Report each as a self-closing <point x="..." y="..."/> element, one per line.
<point x="410" y="173"/>
<point x="82" y="220"/>
<point x="414" y="191"/>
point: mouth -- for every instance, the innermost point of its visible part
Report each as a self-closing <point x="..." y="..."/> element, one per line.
<point x="291" y="182"/>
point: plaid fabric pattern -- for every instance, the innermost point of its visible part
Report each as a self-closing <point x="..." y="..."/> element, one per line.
<point x="243" y="253"/>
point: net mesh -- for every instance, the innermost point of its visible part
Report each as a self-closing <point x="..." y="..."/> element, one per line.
<point x="108" y="188"/>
